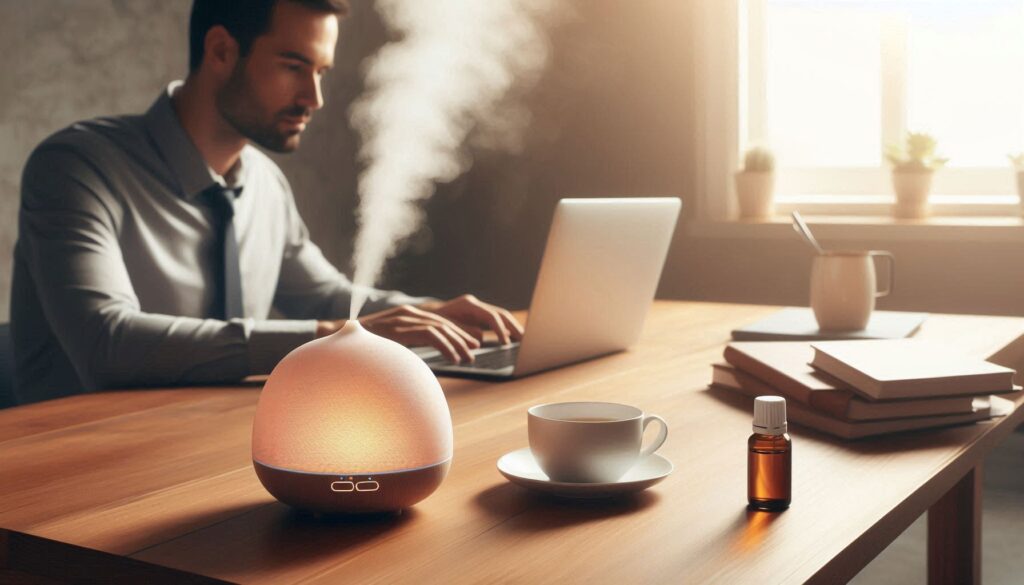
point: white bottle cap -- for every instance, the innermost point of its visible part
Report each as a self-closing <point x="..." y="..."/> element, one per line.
<point x="770" y="415"/>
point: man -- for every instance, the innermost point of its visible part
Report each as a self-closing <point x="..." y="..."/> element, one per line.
<point x="152" y="248"/>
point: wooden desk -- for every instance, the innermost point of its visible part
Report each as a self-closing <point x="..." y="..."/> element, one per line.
<point x="157" y="485"/>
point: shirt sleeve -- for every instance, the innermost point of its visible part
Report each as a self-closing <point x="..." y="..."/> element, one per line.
<point x="68" y="238"/>
<point x="310" y="287"/>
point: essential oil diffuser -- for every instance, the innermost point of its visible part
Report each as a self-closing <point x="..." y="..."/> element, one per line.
<point x="351" y="423"/>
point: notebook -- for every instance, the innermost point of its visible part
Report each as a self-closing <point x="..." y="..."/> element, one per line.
<point x="798" y="324"/>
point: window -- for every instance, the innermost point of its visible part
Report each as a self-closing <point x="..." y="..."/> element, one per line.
<point x="828" y="83"/>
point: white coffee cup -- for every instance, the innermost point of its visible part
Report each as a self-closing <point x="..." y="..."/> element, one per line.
<point x="844" y="288"/>
<point x="590" y="442"/>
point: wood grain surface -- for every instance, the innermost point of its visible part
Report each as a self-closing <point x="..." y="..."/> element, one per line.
<point x="163" y="479"/>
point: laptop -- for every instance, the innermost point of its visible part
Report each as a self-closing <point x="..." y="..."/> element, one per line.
<point x="600" y="270"/>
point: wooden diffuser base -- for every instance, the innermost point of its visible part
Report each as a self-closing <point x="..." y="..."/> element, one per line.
<point x="364" y="493"/>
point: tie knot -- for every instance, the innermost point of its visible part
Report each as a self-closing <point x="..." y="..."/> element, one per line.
<point x="221" y="199"/>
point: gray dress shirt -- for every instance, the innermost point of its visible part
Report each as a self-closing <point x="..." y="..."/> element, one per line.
<point x="113" y="268"/>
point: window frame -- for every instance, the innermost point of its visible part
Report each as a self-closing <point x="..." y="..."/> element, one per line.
<point x="730" y="78"/>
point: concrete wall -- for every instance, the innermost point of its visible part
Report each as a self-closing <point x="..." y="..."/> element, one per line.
<point x="67" y="60"/>
<point x="613" y="115"/>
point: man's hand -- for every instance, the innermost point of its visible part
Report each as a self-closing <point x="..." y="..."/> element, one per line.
<point x="473" y="315"/>
<point x="412" y="326"/>
<point x="455" y="327"/>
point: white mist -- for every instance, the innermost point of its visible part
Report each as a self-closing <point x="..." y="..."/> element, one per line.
<point x="453" y="63"/>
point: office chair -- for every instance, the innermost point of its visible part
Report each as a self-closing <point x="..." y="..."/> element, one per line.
<point x="6" y="367"/>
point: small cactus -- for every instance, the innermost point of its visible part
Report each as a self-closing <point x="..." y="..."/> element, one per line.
<point x="759" y="160"/>
<point x="917" y="155"/>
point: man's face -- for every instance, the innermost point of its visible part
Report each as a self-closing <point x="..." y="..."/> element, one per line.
<point x="274" y="90"/>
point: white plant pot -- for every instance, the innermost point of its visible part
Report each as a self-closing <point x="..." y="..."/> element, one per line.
<point x="755" y="192"/>
<point x="912" y="189"/>
<point x="1020" y="189"/>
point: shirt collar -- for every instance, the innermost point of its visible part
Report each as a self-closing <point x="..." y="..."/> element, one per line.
<point x="186" y="163"/>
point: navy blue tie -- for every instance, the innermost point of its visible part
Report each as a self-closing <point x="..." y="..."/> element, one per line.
<point x="228" y="297"/>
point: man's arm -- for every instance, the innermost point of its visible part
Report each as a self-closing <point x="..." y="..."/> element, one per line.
<point x="68" y="235"/>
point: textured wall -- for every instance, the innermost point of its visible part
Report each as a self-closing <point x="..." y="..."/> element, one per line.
<point x="70" y="59"/>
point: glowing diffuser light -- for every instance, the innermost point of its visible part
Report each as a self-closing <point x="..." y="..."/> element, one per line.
<point x="352" y="423"/>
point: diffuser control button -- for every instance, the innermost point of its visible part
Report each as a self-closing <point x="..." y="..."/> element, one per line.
<point x="367" y="486"/>
<point x="343" y="486"/>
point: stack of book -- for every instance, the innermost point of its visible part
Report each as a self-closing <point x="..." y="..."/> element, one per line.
<point x="855" y="389"/>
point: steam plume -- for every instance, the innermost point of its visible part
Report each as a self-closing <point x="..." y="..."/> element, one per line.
<point x="448" y="74"/>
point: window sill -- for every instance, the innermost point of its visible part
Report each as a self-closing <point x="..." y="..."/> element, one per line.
<point x="868" y="228"/>
<point x="1000" y="206"/>
<point x="964" y="218"/>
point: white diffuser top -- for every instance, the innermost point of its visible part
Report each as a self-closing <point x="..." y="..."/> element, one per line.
<point x="352" y="402"/>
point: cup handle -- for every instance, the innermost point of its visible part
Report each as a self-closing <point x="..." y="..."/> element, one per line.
<point x="891" y="280"/>
<point x="658" y="442"/>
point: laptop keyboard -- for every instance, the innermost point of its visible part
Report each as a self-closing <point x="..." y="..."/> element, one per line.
<point x="494" y="359"/>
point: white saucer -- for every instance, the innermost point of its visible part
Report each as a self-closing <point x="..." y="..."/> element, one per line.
<point x="521" y="468"/>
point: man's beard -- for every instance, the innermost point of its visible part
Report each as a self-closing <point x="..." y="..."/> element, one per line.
<point x="236" y="105"/>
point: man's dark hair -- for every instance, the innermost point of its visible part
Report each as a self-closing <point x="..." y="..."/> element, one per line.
<point x="244" y="19"/>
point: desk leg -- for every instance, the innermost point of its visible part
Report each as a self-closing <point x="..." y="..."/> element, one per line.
<point x="954" y="533"/>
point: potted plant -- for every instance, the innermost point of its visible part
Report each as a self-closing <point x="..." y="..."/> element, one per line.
<point x="755" y="184"/>
<point x="913" y="166"/>
<point x="1018" y="165"/>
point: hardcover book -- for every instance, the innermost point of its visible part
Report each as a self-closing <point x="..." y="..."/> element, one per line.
<point x="908" y="368"/>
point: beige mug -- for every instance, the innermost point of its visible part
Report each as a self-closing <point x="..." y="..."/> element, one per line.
<point x="590" y="442"/>
<point x="844" y="287"/>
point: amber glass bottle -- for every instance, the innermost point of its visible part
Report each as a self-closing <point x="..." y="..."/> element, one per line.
<point x="769" y="457"/>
